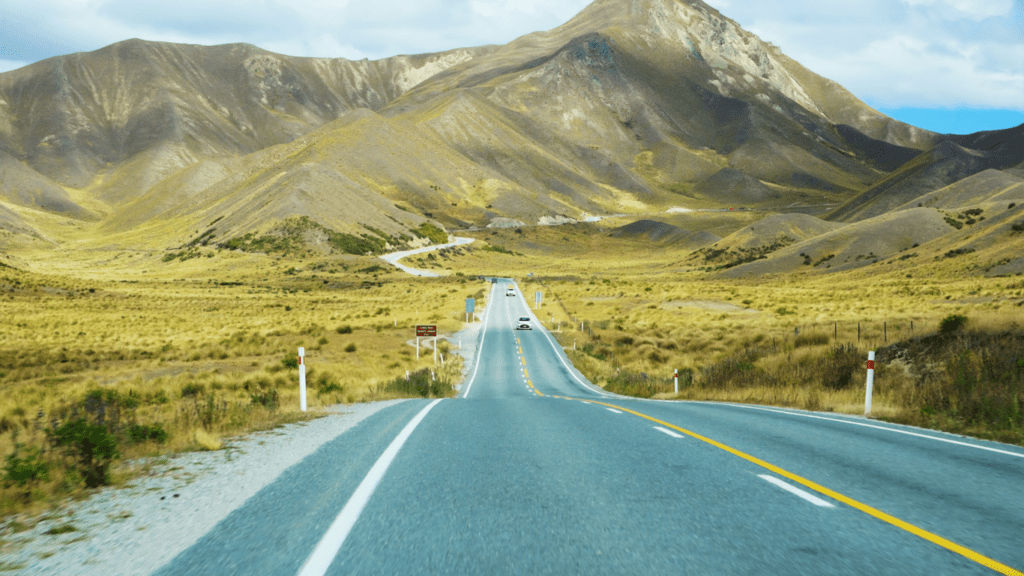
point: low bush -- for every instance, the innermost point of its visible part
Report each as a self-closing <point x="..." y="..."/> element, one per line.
<point x="92" y="445"/>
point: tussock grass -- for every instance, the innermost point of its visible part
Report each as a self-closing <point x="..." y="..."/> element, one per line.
<point x="170" y="364"/>
<point x="801" y="340"/>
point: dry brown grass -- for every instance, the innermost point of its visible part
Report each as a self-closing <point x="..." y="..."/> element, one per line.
<point x="647" y="310"/>
<point x="201" y="358"/>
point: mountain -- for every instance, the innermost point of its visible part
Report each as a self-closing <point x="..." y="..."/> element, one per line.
<point x="134" y="112"/>
<point x="950" y="161"/>
<point x="631" y="106"/>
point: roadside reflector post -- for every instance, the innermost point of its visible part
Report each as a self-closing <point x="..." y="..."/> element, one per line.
<point x="435" y="350"/>
<point x="302" y="379"/>
<point x="871" y="383"/>
<point x="675" y="377"/>
<point x="417" y="347"/>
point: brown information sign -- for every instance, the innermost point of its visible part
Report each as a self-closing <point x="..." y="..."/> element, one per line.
<point x="424" y="330"/>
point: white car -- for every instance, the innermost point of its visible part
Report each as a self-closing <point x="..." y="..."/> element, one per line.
<point x="524" y="324"/>
<point x="510" y="292"/>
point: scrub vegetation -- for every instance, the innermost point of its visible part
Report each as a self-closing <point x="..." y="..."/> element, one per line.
<point x="949" y="344"/>
<point x="97" y="372"/>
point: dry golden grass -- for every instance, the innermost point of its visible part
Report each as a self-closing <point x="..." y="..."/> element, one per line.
<point x="205" y="358"/>
<point x="646" y="310"/>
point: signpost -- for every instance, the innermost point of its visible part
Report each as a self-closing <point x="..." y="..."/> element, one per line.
<point x="470" y="306"/>
<point x="539" y="298"/>
<point x="870" y="383"/>
<point x="426" y="330"/>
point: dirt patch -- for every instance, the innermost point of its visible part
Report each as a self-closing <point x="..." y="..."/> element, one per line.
<point x="705" y="305"/>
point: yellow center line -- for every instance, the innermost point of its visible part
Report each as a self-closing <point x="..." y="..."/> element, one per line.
<point x="523" y="360"/>
<point x="535" y="391"/>
<point x="934" y="538"/>
<point x="526" y="372"/>
<point x="520" y="351"/>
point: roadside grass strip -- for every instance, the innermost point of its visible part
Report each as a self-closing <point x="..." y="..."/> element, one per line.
<point x="920" y="532"/>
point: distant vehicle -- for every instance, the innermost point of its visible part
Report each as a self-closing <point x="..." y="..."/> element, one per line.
<point x="510" y="291"/>
<point x="524" y="324"/>
<point x="494" y="280"/>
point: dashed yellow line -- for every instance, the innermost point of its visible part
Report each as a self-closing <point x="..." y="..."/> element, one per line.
<point x="535" y="391"/>
<point x="920" y="532"/>
<point x="526" y="372"/>
<point x="523" y="360"/>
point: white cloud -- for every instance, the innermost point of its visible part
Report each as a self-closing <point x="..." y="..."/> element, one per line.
<point x="908" y="53"/>
<point x="8" y="65"/>
<point x="903" y="52"/>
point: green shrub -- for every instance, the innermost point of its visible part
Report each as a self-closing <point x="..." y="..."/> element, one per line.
<point x="351" y="347"/>
<point x="92" y="445"/>
<point x="266" y="398"/>
<point x="952" y="323"/>
<point x="25" y="472"/>
<point x="346" y="329"/>
<point x="192" y="389"/>
<point x="139" y="433"/>
<point x="840" y="365"/>
<point x="291" y="360"/>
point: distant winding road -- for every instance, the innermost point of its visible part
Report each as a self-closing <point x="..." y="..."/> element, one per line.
<point x="394" y="257"/>
<point x="533" y="470"/>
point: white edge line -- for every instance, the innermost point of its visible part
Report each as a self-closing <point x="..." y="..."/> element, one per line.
<point x="480" y="349"/>
<point x="560" y="354"/>
<point x="882" y="428"/>
<point x="614" y="410"/>
<point x="669" y="432"/>
<point x="793" y="489"/>
<point x="320" y="560"/>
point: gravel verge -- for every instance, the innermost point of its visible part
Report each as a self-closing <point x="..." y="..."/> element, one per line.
<point x="136" y="529"/>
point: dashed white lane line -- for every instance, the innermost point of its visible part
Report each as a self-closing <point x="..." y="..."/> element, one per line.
<point x="613" y="410"/>
<point x="793" y="489"/>
<point x="669" y="432"/>
<point x="330" y="544"/>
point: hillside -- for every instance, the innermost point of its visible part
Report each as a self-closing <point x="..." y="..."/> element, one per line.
<point x="629" y="107"/>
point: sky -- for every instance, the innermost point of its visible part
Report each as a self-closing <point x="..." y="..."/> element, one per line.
<point x="951" y="66"/>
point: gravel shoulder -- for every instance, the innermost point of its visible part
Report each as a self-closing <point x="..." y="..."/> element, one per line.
<point x="136" y="529"/>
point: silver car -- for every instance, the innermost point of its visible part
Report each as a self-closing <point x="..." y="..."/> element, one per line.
<point x="524" y="324"/>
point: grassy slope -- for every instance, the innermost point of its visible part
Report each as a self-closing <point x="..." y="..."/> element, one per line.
<point x="221" y="326"/>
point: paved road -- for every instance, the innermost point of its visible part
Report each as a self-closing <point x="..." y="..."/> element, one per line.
<point x="534" y="471"/>
<point x="394" y="257"/>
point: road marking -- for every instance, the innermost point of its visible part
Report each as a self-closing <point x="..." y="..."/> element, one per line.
<point x="523" y="360"/>
<point x="560" y="354"/>
<point x="520" y="351"/>
<point x="535" y="391"/>
<point x="903" y="525"/>
<point x="669" y="432"/>
<point x="320" y="560"/>
<point x="525" y="373"/>
<point x="480" y="350"/>
<point x="793" y="489"/>
<point x="883" y="428"/>
<point x="613" y="410"/>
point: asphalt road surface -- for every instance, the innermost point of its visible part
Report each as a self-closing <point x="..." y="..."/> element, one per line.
<point x="532" y="470"/>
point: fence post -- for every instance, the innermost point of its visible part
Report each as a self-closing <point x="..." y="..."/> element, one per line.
<point x="302" y="379"/>
<point x="870" y="384"/>
<point x="675" y="377"/>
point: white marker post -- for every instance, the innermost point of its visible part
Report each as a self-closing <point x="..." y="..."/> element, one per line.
<point x="435" y="350"/>
<point x="417" y="347"/>
<point x="302" y="379"/>
<point x="871" y="383"/>
<point x="675" y="376"/>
